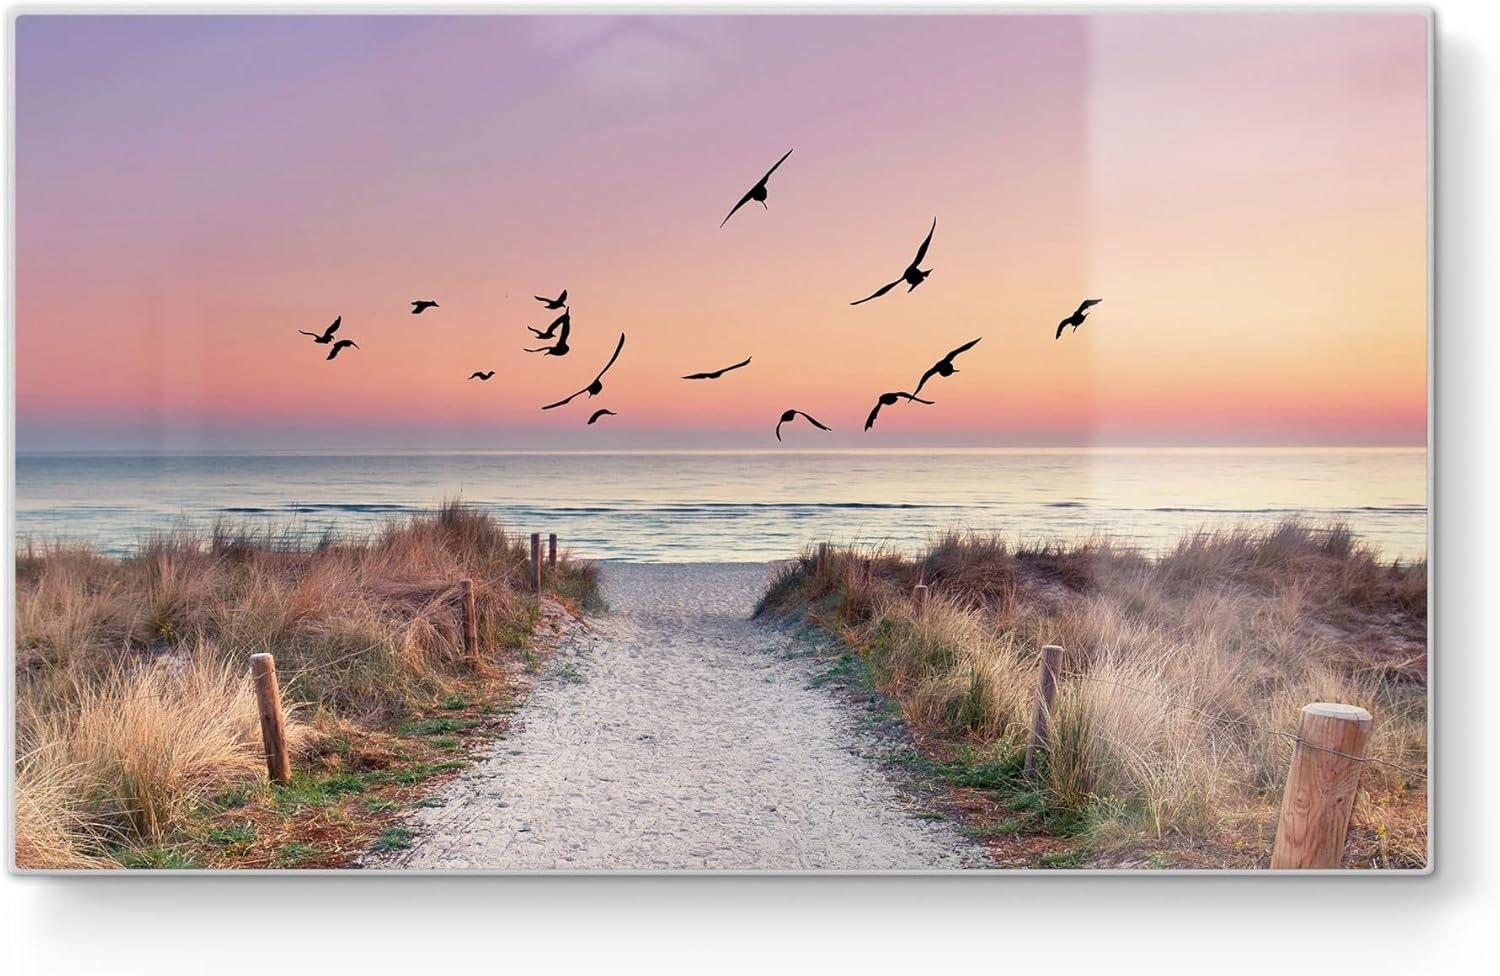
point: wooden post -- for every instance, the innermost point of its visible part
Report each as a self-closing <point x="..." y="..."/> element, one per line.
<point x="551" y="550"/>
<point x="1046" y="688"/>
<point x="822" y="558"/>
<point x="921" y="594"/>
<point x="471" y="621"/>
<point x="1319" y="795"/>
<point x="867" y="572"/>
<point x="536" y="562"/>
<point x="272" y="725"/>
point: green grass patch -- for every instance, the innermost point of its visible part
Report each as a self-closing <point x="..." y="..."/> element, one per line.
<point x="235" y="797"/>
<point x="295" y="853"/>
<point x="1029" y="801"/>
<point x="569" y="673"/>
<point x="579" y="588"/>
<point x="157" y="857"/>
<point x="1063" y="859"/>
<point x="241" y="834"/>
<point x="413" y="773"/>
<point x="848" y="670"/>
<point x="311" y="790"/>
<point x="395" y="839"/>
<point x="1005" y="828"/>
<point x="436" y="726"/>
<point x="970" y="770"/>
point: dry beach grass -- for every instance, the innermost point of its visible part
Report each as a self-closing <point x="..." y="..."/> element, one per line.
<point x="134" y="708"/>
<point x="1176" y="675"/>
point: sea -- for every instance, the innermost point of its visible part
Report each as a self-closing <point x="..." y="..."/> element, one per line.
<point x="751" y="506"/>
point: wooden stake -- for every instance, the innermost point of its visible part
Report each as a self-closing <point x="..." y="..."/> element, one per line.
<point x="822" y="558"/>
<point x="471" y="621"/>
<point x="867" y="572"/>
<point x="551" y="549"/>
<point x="536" y="562"/>
<point x="272" y="724"/>
<point x="921" y="594"/>
<point x="1319" y="796"/>
<point x="1046" y="688"/>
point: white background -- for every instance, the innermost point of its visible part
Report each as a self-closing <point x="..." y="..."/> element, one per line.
<point x="121" y="924"/>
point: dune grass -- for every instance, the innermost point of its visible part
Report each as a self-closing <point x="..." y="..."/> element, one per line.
<point x="1172" y="668"/>
<point x="134" y="706"/>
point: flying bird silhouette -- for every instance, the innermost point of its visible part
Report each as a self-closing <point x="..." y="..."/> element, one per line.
<point x="757" y="192"/>
<point x="944" y="366"/>
<point x="790" y="415"/>
<point x="718" y="372"/>
<point x="1076" y="319"/>
<point x="886" y="399"/>
<point x="418" y="307"/>
<point x="565" y="319"/>
<point x="557" y="302"/>
<point x="602" y="413"/>
<point x="560" y="347"/>
<point x="913" y="275"/>
<point x="477" y="375"/>
<point x="596" y="387"/>
<point x="341" y="344"/>
<point x="327" y="335"/>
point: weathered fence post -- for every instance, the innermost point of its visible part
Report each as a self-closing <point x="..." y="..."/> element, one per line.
<point x="536" y="562"/>
<point x="471" y="621"/>
<point x="1319" y="796"/>
<point x="272" y="725"/>
<point x="921" y="594"/>
<point x="1046" y="688"/>
<point x="822" y="558"/>
<point x="551" y="550"/>
<point x="867" y="572"/>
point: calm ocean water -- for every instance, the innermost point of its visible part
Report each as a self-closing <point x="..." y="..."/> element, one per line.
<point x="690" y="507"/>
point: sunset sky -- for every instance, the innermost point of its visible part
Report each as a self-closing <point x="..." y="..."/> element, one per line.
<point x="1247" y="193"/>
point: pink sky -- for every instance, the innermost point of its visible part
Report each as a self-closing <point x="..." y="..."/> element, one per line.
<point x="1247" y="193"/>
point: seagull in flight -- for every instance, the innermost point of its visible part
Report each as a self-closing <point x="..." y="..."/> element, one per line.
<point x="913" y="275"/>
<point x="718" y="372"/>
<point x="886" y="399"/>
<point x="477" y="375"/>
<point x="1079" y="314"/>
<point x="596" y="387"/>
<point x="418" y="307"/>
<point x="341" y="344"/>
<point x="327" y="335"/>
<point x="602" y="413"/>
<point x="560" y="347"/>
<point x="790" y="415"/>
<point x="944" y="366"/>
<point x="757" y="192"/>
<point x="564" y="320"/>
<point x="553" y="303"/>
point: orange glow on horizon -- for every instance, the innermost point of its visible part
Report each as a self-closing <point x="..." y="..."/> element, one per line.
<point x="1255" y="223"/>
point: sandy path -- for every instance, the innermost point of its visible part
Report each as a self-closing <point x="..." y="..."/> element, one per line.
<point x="673" y="733"/>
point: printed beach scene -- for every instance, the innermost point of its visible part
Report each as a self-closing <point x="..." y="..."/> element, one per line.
<point x="519" y="443"/>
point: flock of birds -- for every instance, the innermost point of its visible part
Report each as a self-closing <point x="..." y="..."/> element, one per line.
<point x="558" y="330"/>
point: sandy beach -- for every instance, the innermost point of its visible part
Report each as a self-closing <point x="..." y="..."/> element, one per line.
<point x="674" y="733"/>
